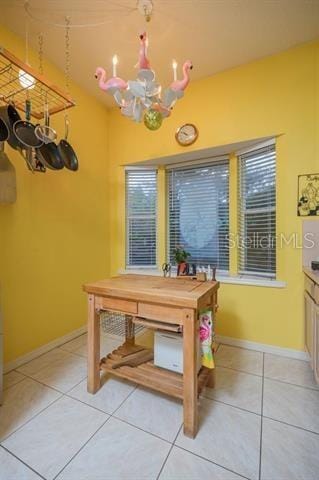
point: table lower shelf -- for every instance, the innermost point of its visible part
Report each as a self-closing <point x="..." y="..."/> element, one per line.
<point x="153" y="377"/>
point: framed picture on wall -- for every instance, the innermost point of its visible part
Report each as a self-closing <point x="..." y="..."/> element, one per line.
<point x="308" y="195"/>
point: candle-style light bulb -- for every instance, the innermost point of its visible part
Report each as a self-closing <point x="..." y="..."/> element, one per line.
<point x="174" y="64"/>
<point x="115" y="61"/>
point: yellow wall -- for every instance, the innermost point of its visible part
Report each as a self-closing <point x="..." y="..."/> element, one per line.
<point x="275" y="95"/>
<point x="55" y="237"/>
<point x="68" y="228"/>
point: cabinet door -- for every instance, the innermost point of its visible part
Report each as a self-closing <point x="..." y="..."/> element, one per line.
<point x="316" y="343"/>
<point x="309" y="326"/>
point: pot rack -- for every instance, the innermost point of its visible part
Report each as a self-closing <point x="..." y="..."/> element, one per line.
<point x="44" y="91"/>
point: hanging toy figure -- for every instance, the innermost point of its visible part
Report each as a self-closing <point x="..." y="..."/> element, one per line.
<point x="180" y="85"/>
<point x="110" y="85"/>
<point x="143" y="61"/>
<point x="206" y="336"/>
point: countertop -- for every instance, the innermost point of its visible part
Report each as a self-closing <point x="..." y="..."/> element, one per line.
<point x="178" y="292"/>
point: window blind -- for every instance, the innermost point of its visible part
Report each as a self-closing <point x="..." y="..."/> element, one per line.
<point x="198" y="212"/>
<point x="141" y="198"/>
<point x="257" y="212"/>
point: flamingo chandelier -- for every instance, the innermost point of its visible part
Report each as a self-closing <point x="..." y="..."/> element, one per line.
<point x="143" y="98"/>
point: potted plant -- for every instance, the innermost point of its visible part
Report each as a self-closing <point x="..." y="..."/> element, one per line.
<point x="181" y="257"/>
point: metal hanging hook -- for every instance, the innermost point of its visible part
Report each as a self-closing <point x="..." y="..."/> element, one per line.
<point x="67" y="53"/>
<point x="40" y="52"/>
<point x="145" y="7"/>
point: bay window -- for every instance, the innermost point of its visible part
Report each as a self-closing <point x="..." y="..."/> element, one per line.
<point x="257" y="212"/>
<point x="198" y="212"/>
<point x="141" y="221"/>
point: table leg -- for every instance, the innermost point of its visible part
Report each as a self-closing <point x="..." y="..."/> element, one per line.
<point x="93" y="382"/>
<point x="190" y="342"/>
<point x="129" y="331"/>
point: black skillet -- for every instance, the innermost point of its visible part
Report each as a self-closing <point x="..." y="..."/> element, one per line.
<point x="24" y="130"/>
<point x="4" y="131"/>
<point x="48" y="154"/>
<point x="10" y="116"/>
<point x="66" y="151"/>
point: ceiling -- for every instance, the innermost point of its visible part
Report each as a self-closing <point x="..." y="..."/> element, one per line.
<point x="215" y="34"/>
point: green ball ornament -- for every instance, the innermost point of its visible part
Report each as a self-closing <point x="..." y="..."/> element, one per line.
<point x="153" y="119"/>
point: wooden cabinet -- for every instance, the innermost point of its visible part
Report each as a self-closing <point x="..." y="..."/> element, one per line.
<point x="309" y="307"/>
<point x="316" y="342"/>
<point x="311" y="314"/>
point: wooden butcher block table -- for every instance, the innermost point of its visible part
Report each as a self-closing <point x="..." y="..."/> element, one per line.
<point x="175" y="302"/>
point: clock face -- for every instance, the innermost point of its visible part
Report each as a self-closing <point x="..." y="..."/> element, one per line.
<point x="186" y="134"/>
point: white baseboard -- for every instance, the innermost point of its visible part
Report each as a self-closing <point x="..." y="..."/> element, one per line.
<point x="262" y="347"/>
<point x="44" y="349"/>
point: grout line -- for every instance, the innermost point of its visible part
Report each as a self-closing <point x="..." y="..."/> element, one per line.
<point x="48" y="386"/>
<point x="72" y="458"/>
<point x="245" y="348"/>
<point x="30" y="419"/>
<point x="69" y="341"/>
<point x="76" y="385"/>
<point x="210" y="461"/>
<point x="87" y="404"/>
<point x="16" y="383"/>
<point x="141" y="429"/>
<point x="110" y="416"/>
<point x="67" y="394"/>
<point x="131" y="393"/>
<point x="169" y="452"/>
<point x="261" y="423"/>
<point x="45" y="353"/>
<point x="21" y="461"/>
<point x="73" y="353"/>
<point x="230" y="405"/>
<point x="68" y="356"/>
<point x="314" y="388"/>
<point x="290" y="425"/>
<point x="237" y="370"/>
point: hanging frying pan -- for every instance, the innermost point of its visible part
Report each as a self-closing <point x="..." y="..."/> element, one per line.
<point x="66" y="151"/>
<point x="48" y="154"/>
<point x="10" y="116"/>
<point x="24" y="130"/>
<point x="4" y="131"/>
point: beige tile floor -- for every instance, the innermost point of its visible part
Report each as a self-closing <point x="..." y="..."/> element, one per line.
<point x="260" y="422"/>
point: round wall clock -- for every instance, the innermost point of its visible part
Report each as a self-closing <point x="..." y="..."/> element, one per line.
<point x="186" y="134"/>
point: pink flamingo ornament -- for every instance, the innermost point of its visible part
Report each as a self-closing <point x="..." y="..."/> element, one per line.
<point x="180" y="85"/>
<point x="112" y="84"/>
<point x="143" y="62"/>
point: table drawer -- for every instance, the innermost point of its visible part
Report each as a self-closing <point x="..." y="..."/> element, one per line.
<point x="117" y="304"/>
<point x="161" y="313"/>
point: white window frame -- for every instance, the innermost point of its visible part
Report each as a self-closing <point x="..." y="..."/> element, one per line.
<point x="251" y="274"/>
<point x="127" y="239"/>
<point x="195" y="163"/>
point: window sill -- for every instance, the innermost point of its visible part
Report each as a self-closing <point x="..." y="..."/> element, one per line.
<point x="256" y="282"/>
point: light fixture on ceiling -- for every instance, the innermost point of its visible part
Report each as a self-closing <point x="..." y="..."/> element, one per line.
<point x="144" y="98"/>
